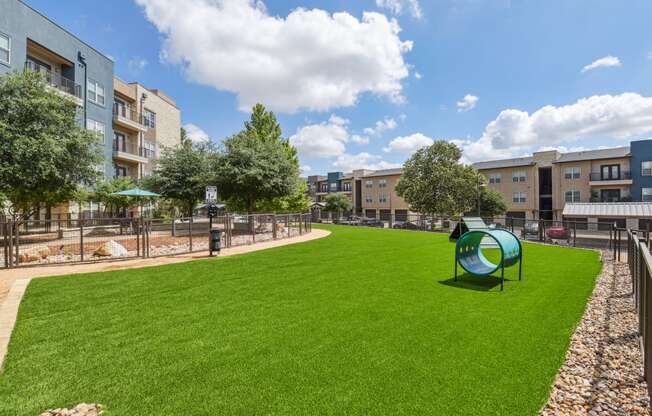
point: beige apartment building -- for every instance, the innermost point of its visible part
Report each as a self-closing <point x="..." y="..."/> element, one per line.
<point x="539" y="186"/>
<point x="145" y="121"/>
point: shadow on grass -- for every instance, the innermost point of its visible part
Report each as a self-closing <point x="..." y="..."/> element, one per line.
<point x="470" y="282"/>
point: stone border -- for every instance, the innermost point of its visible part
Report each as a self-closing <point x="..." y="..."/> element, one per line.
<point x="20" y="278"/>
<point x="602" y="372"/>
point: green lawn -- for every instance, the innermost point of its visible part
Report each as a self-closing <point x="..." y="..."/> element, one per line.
<point x="365" y="321"/>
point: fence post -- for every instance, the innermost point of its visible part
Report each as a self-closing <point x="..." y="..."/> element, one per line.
<point x="190" y="232"/>
<point x="287" y="222"/>
<point x="135" y="227"/>
<point x="300" y="221"/>
<point x="81" y="239"/>
<point x="274" y="226"/>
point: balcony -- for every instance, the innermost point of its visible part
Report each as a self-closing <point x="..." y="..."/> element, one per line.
<point x="66" y="87"/>
<point x="130" y="152"/>
<point x="621" y="178"/>
<point x="128" y="118"/>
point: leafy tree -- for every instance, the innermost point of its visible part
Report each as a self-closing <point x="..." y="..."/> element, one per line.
<point x="181" y="175"/>
<point x="256" y="165"/>
<point x="492" y="203"/>
<point x="434" y="182"/>
<point x="114" y="203"/>
<point x="297" y="201"/>
<point x="184" y="135"/>
<point x="338" y="203"/>
<point x="45" y="154"/>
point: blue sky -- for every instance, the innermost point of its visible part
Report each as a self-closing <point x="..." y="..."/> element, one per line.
<point x="365" y="83"/>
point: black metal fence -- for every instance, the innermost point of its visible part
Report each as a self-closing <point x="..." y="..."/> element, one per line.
<point x="640" y="268"/>
<point x="43" y="242"/>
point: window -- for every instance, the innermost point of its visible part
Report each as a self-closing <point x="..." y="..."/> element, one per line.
<point x="519" y="176"/>
<point x="369" y="199"/>
<point x="572" y="196"/>
<point x="610" y="172"/>
<point x="495" y="177"/>
<point x="382" y="199"/>
<point x="323" y="187"/>
<point x="95" y="92"/>
<point x="646" y="194"/>
<point x="519" y="197"/>
<point x="120" y="171"/>
<point x="368" y="184"/>
<point x="97" y="127"/>
<point x="346" y="186"/>
<point x="382" y="183"/>
<point x="333" y="186"/>
<point x="149" y="149"/>
<point x="572" y="173"/>
<point x="5" y="49"/>
<point x="149" y="118"/>
<point x="646" y="168"/>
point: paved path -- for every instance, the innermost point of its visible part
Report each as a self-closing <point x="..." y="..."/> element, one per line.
<point x="14" y="282"/>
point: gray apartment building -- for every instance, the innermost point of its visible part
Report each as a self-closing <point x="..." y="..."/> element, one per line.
<point x="31" y="41"/>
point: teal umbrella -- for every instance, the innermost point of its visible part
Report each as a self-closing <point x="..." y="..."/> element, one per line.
<point x="138" y="194"/>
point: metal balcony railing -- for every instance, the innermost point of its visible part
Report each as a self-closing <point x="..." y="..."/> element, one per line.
<point x="133" y="149"/>
<point x="128" y="113"/>
<point x="622" y="175"/>
<point x="55" y="80"/>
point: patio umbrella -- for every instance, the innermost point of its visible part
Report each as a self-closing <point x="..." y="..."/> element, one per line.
<point x="138" y="194"/>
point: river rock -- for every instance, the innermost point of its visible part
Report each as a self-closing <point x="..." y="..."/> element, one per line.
<point x="34" y="254"/>
<point x="111" y="249"/>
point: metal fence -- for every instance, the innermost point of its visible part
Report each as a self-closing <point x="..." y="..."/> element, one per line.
<point x="640" y="268"/>
<point x="565" y="232"/>
<point x="56" y="241"/>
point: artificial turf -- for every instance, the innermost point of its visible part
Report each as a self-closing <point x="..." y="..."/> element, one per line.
<point x="364" y="321"/>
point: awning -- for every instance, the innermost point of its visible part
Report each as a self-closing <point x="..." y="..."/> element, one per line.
<point x="608" y="209"/>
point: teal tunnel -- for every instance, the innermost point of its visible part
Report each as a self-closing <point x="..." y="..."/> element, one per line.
<point x="468" y="252"/>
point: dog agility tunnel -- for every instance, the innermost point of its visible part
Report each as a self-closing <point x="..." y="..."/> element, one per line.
<point x="468" y="252"/>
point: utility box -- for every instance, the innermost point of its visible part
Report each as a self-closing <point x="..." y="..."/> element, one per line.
<point x="215" y="240"/>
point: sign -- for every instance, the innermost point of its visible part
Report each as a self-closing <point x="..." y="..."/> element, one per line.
<point x="211" y="194"/>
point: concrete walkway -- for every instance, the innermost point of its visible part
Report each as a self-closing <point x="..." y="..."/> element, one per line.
<point x="14" y="282"/>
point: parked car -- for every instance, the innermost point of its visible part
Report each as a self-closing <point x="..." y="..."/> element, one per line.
<point x="530" y="228"/>
<point x="372" y="222"/>
<point x="557" y="232"/>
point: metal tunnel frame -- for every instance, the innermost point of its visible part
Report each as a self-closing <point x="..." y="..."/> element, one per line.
<point x="468" y="253"/>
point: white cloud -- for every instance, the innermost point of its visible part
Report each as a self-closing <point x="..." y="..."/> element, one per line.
<point x="356" y="138"/>
<point x="623" y="116"/>
<point x="310" y="59"/>
<point x="326" y="139"/>
<point x="137" y="64"/>
<point x="381" y="126"/>
<point x="604" y="62"/>
<point x="364" y="160"/>
<point x="408" y="144"/>
<point x="468" y="103"/>
<point x="398" y="7"/>
<point x="305" y="168"/>
<point x="418" y="75"/>
<point x="196" y="134"/>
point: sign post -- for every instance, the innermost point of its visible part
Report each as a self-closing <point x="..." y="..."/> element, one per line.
<point x="211" y="199"/>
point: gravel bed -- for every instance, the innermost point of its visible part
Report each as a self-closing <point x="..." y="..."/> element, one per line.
<point x="603" y="370"/>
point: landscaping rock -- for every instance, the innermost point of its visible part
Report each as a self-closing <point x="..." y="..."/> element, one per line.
<point x="111" y="249"/>
<point x="603" y="370"/>
<point x="34" y="254"/>
<point x="82" y="409"/>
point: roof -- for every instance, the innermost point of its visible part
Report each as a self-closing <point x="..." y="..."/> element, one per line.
<point x="608" y="209"/>
<point x="611" y="153"/>
<point x="385" y="172"/>
<point x="504" y="163"/>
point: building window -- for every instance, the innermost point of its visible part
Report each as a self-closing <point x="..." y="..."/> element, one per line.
<point x="323" y="187"/>
<point x="382" y="199"/>
<point x="5" y="49"/>
<point x="120" y="171"/>
<point x="369" y="199"/>
<point x="96" y="127"/>
<point x="382" y="183"/>
<point x="646" y="168"/>
<point x="572" y="173"/>
<point x="333" y="186"/>
<point x="149" y="119"/>
<point x="368" y="184"/>
<point x="646" y="194"/>
<point x="495" y="177"/>
<point x="572" y="196"/>
<point x="519" y="197"/>
<point x="149" y="149"/>
<point x="346" y="186"/>
<point x="519" y="176"/>
<point x="95" y="92"/>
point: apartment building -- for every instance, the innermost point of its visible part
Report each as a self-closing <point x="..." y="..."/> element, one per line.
<point x="145" y="121"/>
<point x="539" y="186"/>
<point x="371" y="192"/>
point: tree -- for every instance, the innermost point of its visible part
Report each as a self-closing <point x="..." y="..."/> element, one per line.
<point x="434" y="182"/>
<point x="45" y="154"/>
<point x="256" y="165"/>
<point x="337" y="203"/>
<point x="297" y="201"/>
<point x="114" y="203"/>
<point x="181" y="175"/>
<point x="491" y="203"/>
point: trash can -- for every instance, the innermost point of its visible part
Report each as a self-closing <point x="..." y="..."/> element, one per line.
<point x="216" y="240"/>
